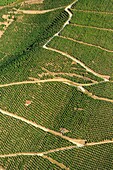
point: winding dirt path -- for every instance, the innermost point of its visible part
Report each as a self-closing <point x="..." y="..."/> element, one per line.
<point x="102" y="98"/>
<point x="84" y="43"/>
<point x="99" y="143"/>
<point x="61" y="165"/>
<point x="78" y="142"/>
<point x="65" y="81"/>
<point x="53" y="150"/>
<point x="37" y="153"/>
<point x="58" y="79"/>
<point x="85" y="26"/>
<point x="33" y="1"/>
<point x="34" y="82"/>
<point x="96" y="12"/>
<point x="32" y="12"/>
<point x="67" y="9"/>
<point x="65" y="74"/>
<point x="82" y="89"/>
<point x="43" y="155"/>
<point x="105" y="77"/>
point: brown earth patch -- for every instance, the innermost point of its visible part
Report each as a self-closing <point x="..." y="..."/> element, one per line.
<point x="1" y="168"/>
<point x="34" y="1"/>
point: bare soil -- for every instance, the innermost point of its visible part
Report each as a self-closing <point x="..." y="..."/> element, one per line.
<point x="34" y="1"/>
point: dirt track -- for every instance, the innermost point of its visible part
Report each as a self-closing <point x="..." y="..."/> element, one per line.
<point x="58" y="79"/>
<point x="33" y="1"/>
<point x="37" y="153"/>
<point x="67" y="9"/>
<point x="64" y="74"/>
<point x="43" y="155"/>
<point x="65" y="81"/>
<point x="105" y="77"/>
<point x="32" y="12"/>
<point x="84" y="43"/>
<point x="98" y="28"/>
<point x="78" y="142"/>
<point x="53" y="150"/>
<point x="61" y="165"/>
<point x="99" y="143"/>
<point x="75" y="141"/>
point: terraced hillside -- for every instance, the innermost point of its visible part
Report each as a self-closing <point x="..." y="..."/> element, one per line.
<point x="56" y="90"/>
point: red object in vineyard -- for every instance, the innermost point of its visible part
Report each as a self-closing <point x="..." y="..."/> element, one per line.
<point x="28" y="102"/>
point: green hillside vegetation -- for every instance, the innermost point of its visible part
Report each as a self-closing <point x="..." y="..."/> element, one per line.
<point x="28" y="31"/>
<point x="103" y="90"/>
<point x="47" y="4"/>
<point x="17" y="70"/>
<point x="89" y="35"/>
<point x="6" y="2"/>
<point x="27" y="162"/>
<point x="56" y="106"/>
<point x="26" y="138"/>
<point x="92" y="19"/>
<point x="90" y="123"/>
<point x="91" y="56"/>
<point x="97" y="5"/>
<point x="87" y="158"/>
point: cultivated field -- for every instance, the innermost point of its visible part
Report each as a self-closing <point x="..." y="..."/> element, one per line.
<point x="56" y="85"/>
<point x="6" y="2"/>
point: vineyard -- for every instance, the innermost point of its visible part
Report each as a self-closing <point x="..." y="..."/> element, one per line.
<point x="6" y="2"/>
<point x="56" y="85"/>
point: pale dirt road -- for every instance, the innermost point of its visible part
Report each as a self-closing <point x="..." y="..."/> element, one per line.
<point x="65" y="81"/>
<point x="37" y="153"/>
<point x="85" y="26"/>
<point x="84" y="43"/>
<point x="43" y="154"/>
<point x="102" y="98"/>
<point x="99" y="143"/>
<point x="61" y="165"/>
<point x="64" y="74"/>
<point x="67" y="9"/>
<point x="33" y="1"/>
<point x="105" y="77"/>
<point x="34" y="82"/>
<point x="78" y="142"/>
<point x="32" y="12"/>
<point x="82" y="89"/>
<point x="58" y="79"/>
<point x="53" y="150"/>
